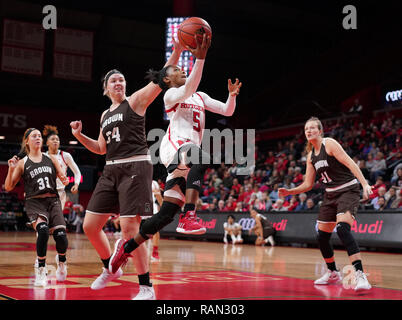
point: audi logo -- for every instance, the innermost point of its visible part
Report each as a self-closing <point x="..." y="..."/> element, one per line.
<point x="393" y="95"/>
<point x="247" y="223"/>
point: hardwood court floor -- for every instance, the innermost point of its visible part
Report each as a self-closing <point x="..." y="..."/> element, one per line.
<point x="194" y="270"/>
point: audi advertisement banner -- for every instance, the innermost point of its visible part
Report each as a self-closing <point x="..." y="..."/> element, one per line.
<point x="383" y="230"/>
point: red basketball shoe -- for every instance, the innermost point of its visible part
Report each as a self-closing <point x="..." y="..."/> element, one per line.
<point x="189" y="224"/>
<point x="119" y="257"/>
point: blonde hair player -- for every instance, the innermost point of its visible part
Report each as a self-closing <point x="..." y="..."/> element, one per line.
<point x="65" y="160"/>
<point x="125" y="185"/>
<point x="341" y="176"/>
<point x="39" y="172"/>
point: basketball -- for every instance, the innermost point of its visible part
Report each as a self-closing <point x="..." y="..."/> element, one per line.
<point x="191" y="26"/>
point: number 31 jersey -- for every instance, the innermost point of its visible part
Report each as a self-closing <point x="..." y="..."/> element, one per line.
<point x="39" y="178"/>
<point x="331" y="172"/>
<point x="124" y="133"/>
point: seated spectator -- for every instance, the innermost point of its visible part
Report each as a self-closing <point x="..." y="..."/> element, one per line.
<point x="265" y="202"/>
<point x="380" y="193"/>
<point x="270" y="158"/>
<point x="245" y="194"/>
<point x="381" y="204"/>
<point x="233" y="230"/>
<point x="302" y="202"/>
<point x="363" y="169"/>
<point x="369" y="162"/>
<point x="256" y="191"/>
<point x="230" y="204"/>
<point x="310" y="204"/>
<point x="239" y="207"/>
<point x="398" y="201"/>
<point x="201" y="206"/>
<point x="293" y="203"/>
<point x="236" y="186"/>
<point x="252" y="200"/>
<point x="216" y="181"/>
<point x="297" y="177"/>
<point x="212" y="207"/>
<point x="397" y="180"/>
<point x="278" y="205"/>
<point x="390" y="197"/>
<point x="227" y="180"/>
<point x="379" y="167"/>
<point x="274" y="193"/>
<point x="378" y="184"/>
<point x="221" y="206"/>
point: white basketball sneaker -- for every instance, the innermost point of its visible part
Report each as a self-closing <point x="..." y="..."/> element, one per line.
<point x="40" y="277"/>
<point x="329" y="277"/>
<point x="105" y="277"/>
<point x="361" y="281"/>
<point x="146" y="293"/>
<point x="271" y="241"/>
<point x="61" y="272"/>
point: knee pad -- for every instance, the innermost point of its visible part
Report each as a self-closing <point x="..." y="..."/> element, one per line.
<point x="324" y="244"/>
<point x="60" y="237"/>
<point x="344" y="234"/>
<point x="43" y="236"/>
<point x="158" y="221"/>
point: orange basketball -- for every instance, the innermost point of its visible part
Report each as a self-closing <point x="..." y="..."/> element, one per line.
<point x="191" y="26"/>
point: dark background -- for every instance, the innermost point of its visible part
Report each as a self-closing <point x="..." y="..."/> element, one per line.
<point x="294" y="58"/>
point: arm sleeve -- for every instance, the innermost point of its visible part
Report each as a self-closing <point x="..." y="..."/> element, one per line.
<point x="226" y="109"/>
<point x="73" y="166"/>
<point x="175" y="95"/>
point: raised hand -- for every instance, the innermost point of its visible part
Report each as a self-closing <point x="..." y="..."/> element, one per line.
<point x="76" y="127"/>
<point x="282" y="192"/>
<point x="177" y="45"/>
<point x="367" y="191"/>
<point x="200" y="52"/>
<point x="234" y="88"/>
<point x="13" y="162"/>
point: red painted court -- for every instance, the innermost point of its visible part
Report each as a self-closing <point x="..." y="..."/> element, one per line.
<point x="194" y="270"/>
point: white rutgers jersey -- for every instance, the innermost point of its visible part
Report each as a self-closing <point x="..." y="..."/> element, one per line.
<point x="233" y="226"/>
<point x="187" y="123"/>
<point x="63" y="165"/>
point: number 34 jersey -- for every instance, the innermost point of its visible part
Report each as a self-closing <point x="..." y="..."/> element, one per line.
<point x="124" y="133"/>
<point x="329" y="170"/>
<point x="39" y="177"/>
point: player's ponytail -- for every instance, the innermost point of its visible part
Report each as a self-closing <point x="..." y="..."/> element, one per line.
<point x="24" y="146"/>
<point x="158" y="76"/>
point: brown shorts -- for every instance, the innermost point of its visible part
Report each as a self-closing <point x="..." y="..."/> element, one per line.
<point x="125" y="189"/>
<point x="48" y="208"/>
<point x="266" y="232"/>
<point x="339" y="202"/>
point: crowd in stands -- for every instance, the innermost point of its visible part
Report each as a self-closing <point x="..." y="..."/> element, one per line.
<point x="374" y="146"/>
